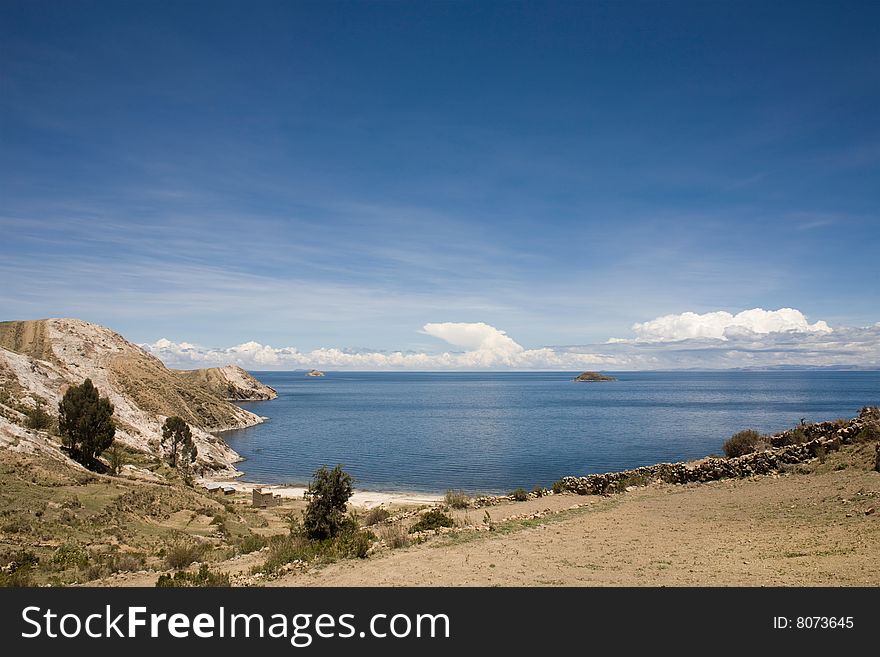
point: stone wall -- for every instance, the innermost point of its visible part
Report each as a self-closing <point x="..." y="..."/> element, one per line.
<point x="820" y="438"/>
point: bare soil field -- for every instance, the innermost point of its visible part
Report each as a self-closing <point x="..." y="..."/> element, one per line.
<point x="812" y="527"/>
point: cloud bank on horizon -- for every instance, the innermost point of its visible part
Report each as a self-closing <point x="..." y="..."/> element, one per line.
<point x="715" y="340"/>
<point x="722" y="325"/>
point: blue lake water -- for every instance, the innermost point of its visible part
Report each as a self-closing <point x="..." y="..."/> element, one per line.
<point x="492" y="432"/>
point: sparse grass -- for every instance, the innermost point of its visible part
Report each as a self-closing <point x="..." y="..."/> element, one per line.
<point x="431" y="520"/>
<point x="251" y="543"/>
<point x="456" y="499"/>
<point x="204" y="577"/>
<point x="104" y="564"/>
<point x="122" y="525"/>
<point x="632" y="480"/>
<point x="512" y="526"/>
<point x="375" y="516"/>
<point x="16" y="567"/>
<point x="183" y="555"/>
<point x="71" y="502"/>
<point x="744" y="442"/>
<point x="298" y="547"/>
<point x="395" y="536"/>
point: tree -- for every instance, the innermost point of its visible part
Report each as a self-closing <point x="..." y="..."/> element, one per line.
<point x="115" y="458"/>
<point x="85" y="421"/>
<point x="328" y="493"/>
<point x="178" y="436"/>
<point x="37" y="417"/>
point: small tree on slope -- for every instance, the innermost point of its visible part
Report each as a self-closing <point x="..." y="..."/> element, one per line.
<point x="85" y="422"/>
<point x="177" y="436"/>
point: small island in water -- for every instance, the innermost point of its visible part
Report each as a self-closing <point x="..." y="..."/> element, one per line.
<point x="594" y="376"/>
<point x="314" y="373"/>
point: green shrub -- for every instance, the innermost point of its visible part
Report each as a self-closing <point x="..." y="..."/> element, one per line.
<point x="112" y="561"/>
<point x="202" y="578"/>
<point x="869" y="432"/>
<point x="357" y="544"/>
<point x="558" y="486"/>
<point x="71" y="555"/>
<point x="433" y="519"/>
<point x="252" y="543"/>
<point x="632" y="480"/>
<point x="520" y="495"/>
<point x="795" y="436"/>
<point x="298" y="547"/>
<point x="16" y="526"/>
<point x="456" y="499"/>
<point x="71" y="502"/>
<point x="328" y="494"/>
<point x="293" y="547"/>
<point x="744" y="442"/>
<point x="115" y="458"/>
<point x="16" y="568"/>
<point x="127" y="562"/>
<point x="183" y="554"/>
<point x="38" y="418"/>
<point x="375" y="516"/>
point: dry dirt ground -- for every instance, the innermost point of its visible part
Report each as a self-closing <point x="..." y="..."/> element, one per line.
<point x="817" y="524"/>
<point x="809" y="527"/>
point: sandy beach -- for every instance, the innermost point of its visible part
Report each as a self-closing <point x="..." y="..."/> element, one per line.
<point x="362" y="498"/>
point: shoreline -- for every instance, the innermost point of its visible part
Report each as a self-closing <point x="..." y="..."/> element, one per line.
<point x="818" y="438"/>
<point x="362" y="498"/>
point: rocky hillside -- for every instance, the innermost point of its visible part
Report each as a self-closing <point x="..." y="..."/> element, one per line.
<point x="40" y="359"/>
<point x="230" y="383"/>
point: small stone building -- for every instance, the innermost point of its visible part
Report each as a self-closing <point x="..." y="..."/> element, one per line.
<point x="263" y="500"/>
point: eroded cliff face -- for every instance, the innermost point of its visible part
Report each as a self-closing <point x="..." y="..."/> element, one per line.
<point x="40" y="359"/>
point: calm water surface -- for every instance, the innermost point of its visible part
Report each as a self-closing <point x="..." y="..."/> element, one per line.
<point x="492" y="432"/>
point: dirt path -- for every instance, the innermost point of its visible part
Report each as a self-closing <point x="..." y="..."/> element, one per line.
<point x="791" y="530"/>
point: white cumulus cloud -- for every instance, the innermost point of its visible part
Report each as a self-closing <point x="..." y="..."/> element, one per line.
<point x="717" y="340"/>
<point x="480" y="346"/>
<point x="475" y="336"/>
<point x="722" y="325"/>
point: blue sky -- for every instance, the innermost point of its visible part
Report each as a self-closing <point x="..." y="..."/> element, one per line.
<point x="339" y="175"/>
